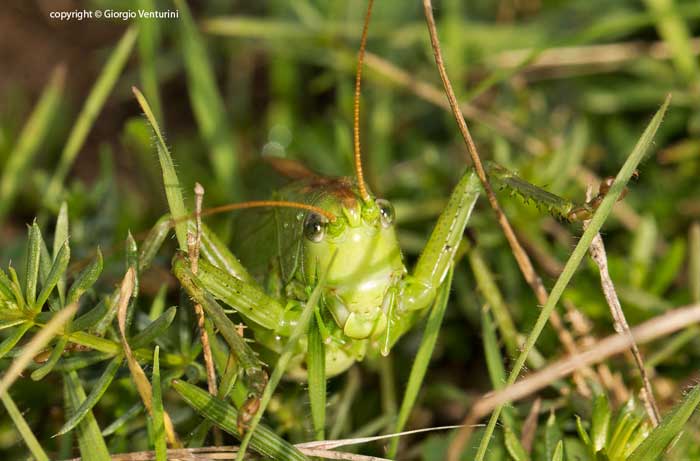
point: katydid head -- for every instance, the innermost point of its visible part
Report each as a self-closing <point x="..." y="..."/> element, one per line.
<point x="367" y="265"/>
<point x="368" y="258"/>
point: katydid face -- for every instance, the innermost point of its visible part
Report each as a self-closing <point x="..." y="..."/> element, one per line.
<point x="367" y="263"/>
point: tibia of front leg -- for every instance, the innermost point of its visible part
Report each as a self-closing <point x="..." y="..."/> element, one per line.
<point x="434" y="262"/>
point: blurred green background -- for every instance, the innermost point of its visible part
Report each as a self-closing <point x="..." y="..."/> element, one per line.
<point x="559" y="91"/>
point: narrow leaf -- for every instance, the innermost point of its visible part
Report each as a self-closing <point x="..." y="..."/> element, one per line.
<point x="97" y="392"/>
<point x="178" y="211"/>
<point x="92" y="445"/>
<point x="316" y="361"/>
<point x="420" y="363"/>
<point x="58" y="269"/>
<point x="670" y="427"/>
<point x="23" y="428"/>
<point x="158" y="412"/>
<point x="31" y="274"/>
<point x="85" y="279"/>
<point x="91" y="109"/>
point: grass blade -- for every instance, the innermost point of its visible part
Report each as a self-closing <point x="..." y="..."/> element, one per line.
<point x="93" y="104"/>
<point x="30" y="139"/>
<point x="316" y="361"/>
<point x="97" y="392"/>
<point x="670" y="427"/>
<point x="224" y="415"/>
<point x="206" y="101"/>
<point x="172" y="186"/>
<point x="158" y="412"/>
<point x="420" y="364"/>
<point x="60" y="237"/>
<point x="576" y="257"/>
<point x="92" y="445"/>
<point x="149" y="41"/>
<point x="23" y="428"/>
<point x="154" y="329"/>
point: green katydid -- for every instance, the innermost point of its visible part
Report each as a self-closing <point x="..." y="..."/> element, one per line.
<point x="369" y="298"/>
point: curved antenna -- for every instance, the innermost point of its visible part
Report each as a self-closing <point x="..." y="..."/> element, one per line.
<point x="268" y="204"/>
<point x="356" y="126"/>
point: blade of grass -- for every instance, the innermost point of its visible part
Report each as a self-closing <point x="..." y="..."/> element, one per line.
<point x="172" y="186"/>
<point x="35" y="345"/>
<point x="206" y="101"/>
<point x="670" y="427"/>
<point x="422" y="360"/>
<point x="495" y="362"/>
<point x="93" y="105"/>
<point x="148" y="43"/>
<point x="301" y="328"/>
<point x="31" y="138"/>
<point x="572" y="264"/>
<point x="98" y="391"/>
<point x="316" y="365"/>
<point x="23" y="428"/>
<point x="92" y="445"/>
<point x="158" y="411"/>
<point x="674" y="30"/>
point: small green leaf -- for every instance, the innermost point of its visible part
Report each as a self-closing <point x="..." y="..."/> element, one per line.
<point x="515" y="448"/>
<point x="158" y="412"/>
<point x="91" y="317"/>
<point x="6" y="293"/>
<point x="582" y="432"/>
<point x="552" y="436"/>
<point x="8" y="343"/>
<point x="92" y="445"/>
<point x="98" y="391"/>
<point x="654" y="445"/>
<point x="85" y="279"/>
<point x="223" y="415"/>
<point x="58" y="269"/>
<point x="154" y="329"/>
<point x="31" y="274"/>
<point x="558" y="452"/>
<point x="600" y="422"/>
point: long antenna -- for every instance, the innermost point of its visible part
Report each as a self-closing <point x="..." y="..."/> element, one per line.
<point x="356" y="126"/>
<point x="268" y="204"/>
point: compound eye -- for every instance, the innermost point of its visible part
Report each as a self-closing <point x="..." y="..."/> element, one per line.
<point x="386" y="212"/>
<point x="315" y="227"/>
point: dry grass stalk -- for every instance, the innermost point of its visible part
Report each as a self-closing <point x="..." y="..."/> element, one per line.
<point x="620" y="324"/>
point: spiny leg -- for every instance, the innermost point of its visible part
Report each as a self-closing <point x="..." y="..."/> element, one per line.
<point x="253" y="374"/>
<point x="418" y="290"/>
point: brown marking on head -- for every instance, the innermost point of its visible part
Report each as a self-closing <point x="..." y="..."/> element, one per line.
<point x="341" y="188"/>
